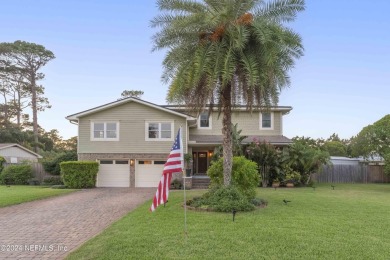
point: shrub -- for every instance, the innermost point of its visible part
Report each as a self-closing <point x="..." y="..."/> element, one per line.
<point x="245" y="176"/>
<point x="291" y="175"/>
<point x="16" y="174"/>
<point x="267" y="159"/>
<point x="176" y="184"/>
<point x="52" y="166"/>
<point x="33" y="181"/>
<point x="79" y="174"/>
<point x="223" y="199"/>
<point x="258" y="202"/>
<point x="58" y="187"/>
<point x="52" y="180"/>
<point x="2" y="161"/>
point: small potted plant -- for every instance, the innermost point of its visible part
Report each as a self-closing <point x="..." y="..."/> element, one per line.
<point x="275" y="183"/>
<point x="188" y="161"/>
<point x="292" y="178"/>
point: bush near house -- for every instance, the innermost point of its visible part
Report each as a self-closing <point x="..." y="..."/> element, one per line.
<point x="79" y="174"/>
<point x="223" y="199"/>
<point x="52" y="165"/>
<point x="2" y="161"/>
<point x="245" y="176"/>
<point x="16" y="174"/>
<point x="52" y="180"/>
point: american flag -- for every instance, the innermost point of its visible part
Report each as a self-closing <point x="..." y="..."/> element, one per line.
<point x="173" y="164"/>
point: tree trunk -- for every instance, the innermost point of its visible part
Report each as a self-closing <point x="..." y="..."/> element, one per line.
<point x="34" y="112"/>
<point x="264" y="175"/>
<point x="227" y="134"/>
<point x="19" y="110"/>
<point x="5" y="112"/>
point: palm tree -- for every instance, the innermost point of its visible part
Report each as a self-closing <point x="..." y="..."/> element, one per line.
<point x="227" y="52"/>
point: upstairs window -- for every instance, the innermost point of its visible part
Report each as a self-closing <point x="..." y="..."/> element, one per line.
<point x="159" y="131"/>
<point x="104" y="131"/>
<point x="204" y="120"/>
<point x="266" y="121"/>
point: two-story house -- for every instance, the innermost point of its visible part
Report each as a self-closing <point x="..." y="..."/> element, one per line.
<point x="131" y="138"/>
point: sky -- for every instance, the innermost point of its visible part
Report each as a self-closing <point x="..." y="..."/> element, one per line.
<point x="340" y="85"/>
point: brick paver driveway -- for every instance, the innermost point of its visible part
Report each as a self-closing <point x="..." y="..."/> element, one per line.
<point x="51" y="228"/>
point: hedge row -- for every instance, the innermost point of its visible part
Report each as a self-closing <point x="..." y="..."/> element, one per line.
<point x="16" y="174"/>
<point x="79" y="174"/>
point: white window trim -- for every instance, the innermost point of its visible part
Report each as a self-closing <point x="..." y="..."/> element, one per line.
<point x="105" y="131"/>
<point x="159" y="130"/>
<point x="272" y="122"/>
<point x="210" y="122"/>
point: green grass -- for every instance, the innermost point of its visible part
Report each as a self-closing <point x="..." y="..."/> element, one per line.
<point x="350" y="222"/>
<point x="19" y="194"/>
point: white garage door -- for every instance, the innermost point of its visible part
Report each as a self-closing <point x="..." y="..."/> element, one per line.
<point x="148" y="173"/>
<point x="113" y="173"/>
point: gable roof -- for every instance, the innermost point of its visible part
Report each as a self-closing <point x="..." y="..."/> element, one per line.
<point x="8" y="145"/>
<point x="75" y="117"/>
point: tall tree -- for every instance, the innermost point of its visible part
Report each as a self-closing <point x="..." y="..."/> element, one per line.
<point x="29" y="58"/>
<point x="15" y="92"/>
<point x="227" y="52"/>
<point x="373" y="140"/>
<point x="132" y="93"/>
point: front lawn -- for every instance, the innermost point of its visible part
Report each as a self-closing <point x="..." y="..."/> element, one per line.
<point x="350" y="222"/>
<point x="19" y="194"/>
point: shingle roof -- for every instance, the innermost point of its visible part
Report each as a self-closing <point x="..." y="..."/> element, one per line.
<point x="217" y="139"/>
<point x="122" y="101"/>
<point x="2" y="145"/>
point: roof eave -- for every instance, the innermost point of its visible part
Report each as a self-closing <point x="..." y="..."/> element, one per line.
<point x="75" y="117"/>
<point x="23" y="148"/>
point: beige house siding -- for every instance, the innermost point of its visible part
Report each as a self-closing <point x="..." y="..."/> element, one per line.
<point x="131" y="117"/>
<point x="248" y="122"/>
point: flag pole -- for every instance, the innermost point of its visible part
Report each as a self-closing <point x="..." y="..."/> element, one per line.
<point x="185" y="205"/>
<point x="184" y="182"/>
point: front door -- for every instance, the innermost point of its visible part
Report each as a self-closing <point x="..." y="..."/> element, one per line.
<point x="202" y="162"/>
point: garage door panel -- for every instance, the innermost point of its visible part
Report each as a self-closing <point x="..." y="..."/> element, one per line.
<point x="113" y="175"/>
<point x="148" y="175"/>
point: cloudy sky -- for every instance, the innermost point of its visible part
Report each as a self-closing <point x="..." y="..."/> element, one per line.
<point x="104" y="47"/>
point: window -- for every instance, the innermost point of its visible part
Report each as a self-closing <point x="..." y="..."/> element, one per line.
<point x="121" y="162"/>
<point x="266" y="121"/>
<point x="144" y="162"/>
<point x="106" y="162"/>
<point x="14" y="160"/>
<point x="159" y="162"/>
<point x="104" y="131"/>
<point x="204" y="120"/>
<point x="159" y="131"/>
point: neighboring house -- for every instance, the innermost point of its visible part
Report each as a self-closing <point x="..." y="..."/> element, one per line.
<point x="340" y="160"/>
<point x="14" y="153"/>
<point x="132" y="138"/>
<point x="371" y="160"/>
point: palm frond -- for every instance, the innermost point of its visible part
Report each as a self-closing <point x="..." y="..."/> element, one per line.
<point x="180" y="6"/>
<point x="280" y="10"/>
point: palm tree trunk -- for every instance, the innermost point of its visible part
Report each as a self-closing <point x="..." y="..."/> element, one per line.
<point x="226" y="100"/>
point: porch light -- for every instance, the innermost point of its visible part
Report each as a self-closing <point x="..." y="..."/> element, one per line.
<point x="210" y="154"/>
<point x="131" y="162"/>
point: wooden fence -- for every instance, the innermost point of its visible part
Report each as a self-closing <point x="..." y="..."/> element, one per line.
<point x="351" y="174"/>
